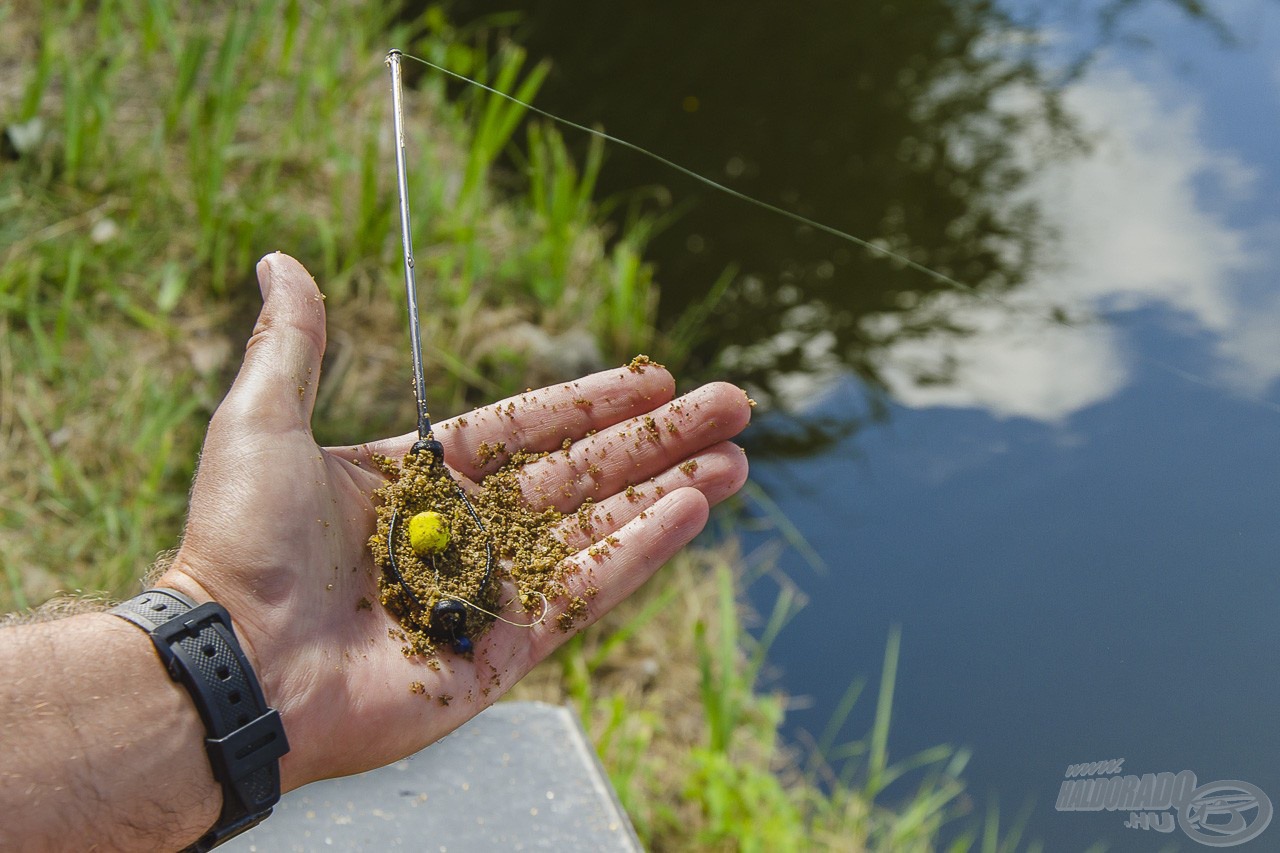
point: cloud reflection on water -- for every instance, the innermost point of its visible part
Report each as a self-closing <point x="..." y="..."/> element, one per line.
<point x="1134" y="230"/>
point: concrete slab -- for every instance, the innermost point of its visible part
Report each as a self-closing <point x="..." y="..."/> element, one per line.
<point x="520" y="776"/>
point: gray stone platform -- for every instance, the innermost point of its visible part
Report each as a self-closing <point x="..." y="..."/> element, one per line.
<point x="520" y="776"/>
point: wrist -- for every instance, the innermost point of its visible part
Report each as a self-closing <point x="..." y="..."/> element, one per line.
<point x="282" y="692"/>
<point x="244" y="737"/>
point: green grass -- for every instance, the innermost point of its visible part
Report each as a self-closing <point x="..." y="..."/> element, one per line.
<point x="165" y="148"/>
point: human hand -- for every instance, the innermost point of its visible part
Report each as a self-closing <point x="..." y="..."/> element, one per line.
<point x="278" y="532"/>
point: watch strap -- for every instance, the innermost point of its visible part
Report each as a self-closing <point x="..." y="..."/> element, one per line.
<point x="246" y="738"/>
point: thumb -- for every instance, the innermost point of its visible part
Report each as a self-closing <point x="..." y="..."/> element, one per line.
<point x="275" y="390"/>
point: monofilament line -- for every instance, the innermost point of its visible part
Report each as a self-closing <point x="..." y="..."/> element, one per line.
<point x="703" y="179"/>
<point x="546" y="606"/>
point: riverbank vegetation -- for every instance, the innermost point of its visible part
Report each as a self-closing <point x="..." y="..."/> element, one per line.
<point x="152" y="151"/>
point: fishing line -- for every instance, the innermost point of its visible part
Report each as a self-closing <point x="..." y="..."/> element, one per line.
<point x="703" y="179"/>
<point x="546" y="606"/>
<point x="832" y="231"/>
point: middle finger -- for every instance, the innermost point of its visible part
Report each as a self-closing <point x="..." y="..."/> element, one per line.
<point x="633" y="451"/>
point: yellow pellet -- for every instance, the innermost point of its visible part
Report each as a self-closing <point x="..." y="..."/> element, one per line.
<point x="428" y="533"/>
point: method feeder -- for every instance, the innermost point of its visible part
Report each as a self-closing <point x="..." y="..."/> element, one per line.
<point x="448" y="620"/>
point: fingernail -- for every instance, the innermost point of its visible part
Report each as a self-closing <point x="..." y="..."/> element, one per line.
<point x="266" y="270"/>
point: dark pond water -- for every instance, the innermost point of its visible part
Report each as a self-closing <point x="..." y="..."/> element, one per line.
<point x="1064" y="484"/>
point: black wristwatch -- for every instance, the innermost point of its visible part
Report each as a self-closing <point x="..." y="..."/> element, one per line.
<point x="245" y="737"/>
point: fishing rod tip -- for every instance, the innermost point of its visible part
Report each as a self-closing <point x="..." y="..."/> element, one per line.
<point x="394" y="53"/>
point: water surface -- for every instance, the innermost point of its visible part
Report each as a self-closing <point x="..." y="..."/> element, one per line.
<point x="1062" y="484"/>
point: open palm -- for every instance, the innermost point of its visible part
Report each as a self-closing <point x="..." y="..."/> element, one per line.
<point x="279" y="527"/>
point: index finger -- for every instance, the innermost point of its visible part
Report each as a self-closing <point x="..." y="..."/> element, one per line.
<point x="481" y="441"/>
